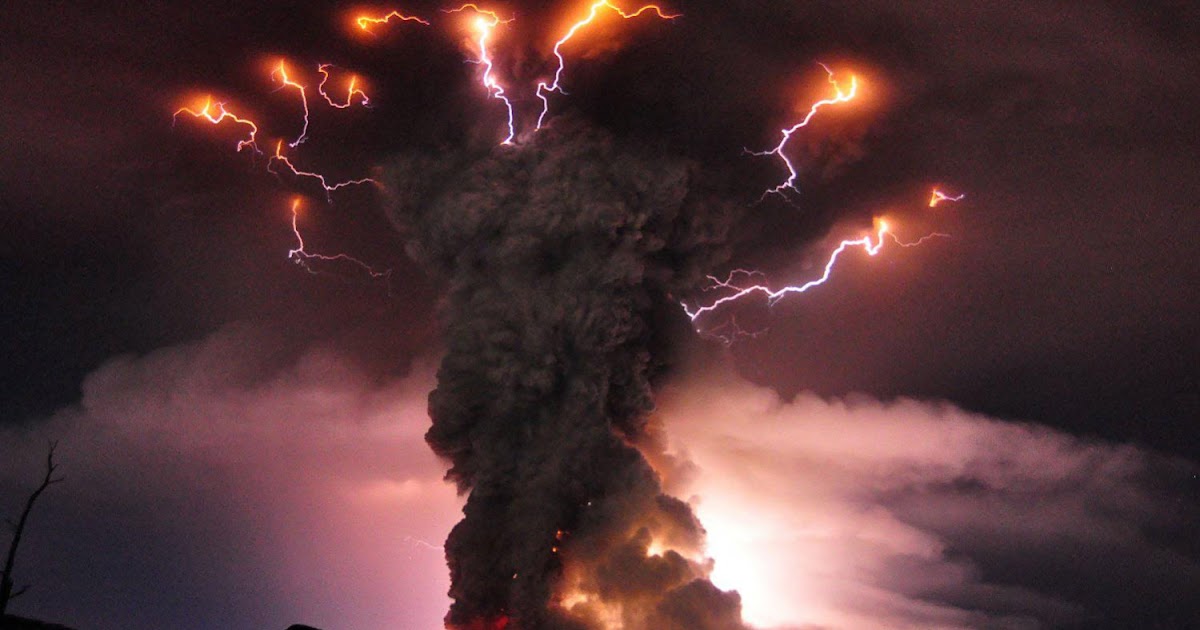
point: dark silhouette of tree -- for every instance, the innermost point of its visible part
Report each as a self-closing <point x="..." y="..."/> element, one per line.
<point x="18" y="528"/>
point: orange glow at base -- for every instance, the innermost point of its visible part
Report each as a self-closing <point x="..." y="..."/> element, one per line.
<point x="497" y="623"/>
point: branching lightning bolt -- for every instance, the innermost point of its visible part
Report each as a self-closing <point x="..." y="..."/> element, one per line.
<point x="544" y="89"/>
<point x="365" y="21"/>
<point x="868" y="245"/>
<point x="350" y="92"/>
<point x="484" y="24"/>
<point x="774" y="295"/>
<point x="280" y="158"/>
<point x="285" y="81"/>
<point x="737" y="285"/>
<point x="304" y="258"/>
<point x="220" y="115"/>
<point x="939" y="196"/>
<point x="838" y="97"/>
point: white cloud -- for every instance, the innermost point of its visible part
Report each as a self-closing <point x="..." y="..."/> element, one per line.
<point x="854" y="513"/>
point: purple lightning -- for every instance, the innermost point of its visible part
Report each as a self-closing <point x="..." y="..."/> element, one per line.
<point x="280" y="158"/>
<point x="774" y="295"/>
<point x="303" y="258"/>
<point x="484" y="24"/>
<point x="838" y="97"/>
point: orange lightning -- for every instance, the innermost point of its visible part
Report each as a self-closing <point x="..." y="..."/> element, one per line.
<point x="350" y="92"/>
<point x="286" y="81"/>
<point x="543" y="88"/>
<point x="484" y="24"/>
<point x="304" y="258"/>
<point x="221" y="114"/>
<point x="839" y="96"/>
<point x="938" y="197"/>
<point x="280" y="158"/>
<point x="365" y="21"/>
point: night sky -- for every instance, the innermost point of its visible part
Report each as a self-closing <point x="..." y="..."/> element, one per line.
<point x="998" y="427"/>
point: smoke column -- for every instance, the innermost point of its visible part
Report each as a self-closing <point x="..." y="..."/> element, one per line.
<point x="562" y="257"/>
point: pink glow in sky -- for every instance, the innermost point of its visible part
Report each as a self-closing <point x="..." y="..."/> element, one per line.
<point x="275" y="491"/>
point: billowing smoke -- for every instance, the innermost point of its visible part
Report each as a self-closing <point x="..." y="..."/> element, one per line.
<point x="562" y="259"/>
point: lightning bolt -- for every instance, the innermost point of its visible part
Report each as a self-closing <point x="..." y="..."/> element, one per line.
<point x="304" y="258"/>
<point x="350" y="92"/>
<point x="281" y="73"/>
<point x="484" y="24"/>
<point x="280" y="158"/>
<point x="365" y="21"/>
<point x="839" y="96"/>
<point x="871" y="247"/>
<point x="420" y="542"/>
<point x="774" y="295"/>
<point x="939" y="196"/>
<point x="927" y="237"/>
<point x="544" y="89"/>
<point x="220" y="115"/>
<point x="731" y="331"/>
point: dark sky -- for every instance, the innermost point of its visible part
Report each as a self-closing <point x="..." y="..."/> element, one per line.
<point x="1066" y="296"/>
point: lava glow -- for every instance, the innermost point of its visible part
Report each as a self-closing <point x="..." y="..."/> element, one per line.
<point x="280" y="158"/>
<point x="220" y="115"/>
<point x="483" y="26"/>
<point x="365" y="22"/>
<point x="351" y="91"/>
<point x="543" y="88"/>
<point x="304" y="258"/>
<point x="839" y="96"/>
<point x="280" y="72"/>
<point x="774" y="295"/>
<point x="939" y="196"/>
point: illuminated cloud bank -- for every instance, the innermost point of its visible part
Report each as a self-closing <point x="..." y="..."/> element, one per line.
<point x="856" y="513"/>
<point x="226" y="483"/>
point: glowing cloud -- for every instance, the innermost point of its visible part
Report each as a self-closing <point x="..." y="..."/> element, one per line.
<point x="871" y="514"/>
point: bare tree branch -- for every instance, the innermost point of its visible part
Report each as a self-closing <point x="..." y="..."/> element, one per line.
<point x="6" y="583"/>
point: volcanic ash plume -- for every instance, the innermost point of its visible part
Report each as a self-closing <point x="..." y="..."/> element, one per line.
<point x="561" y="258"/>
